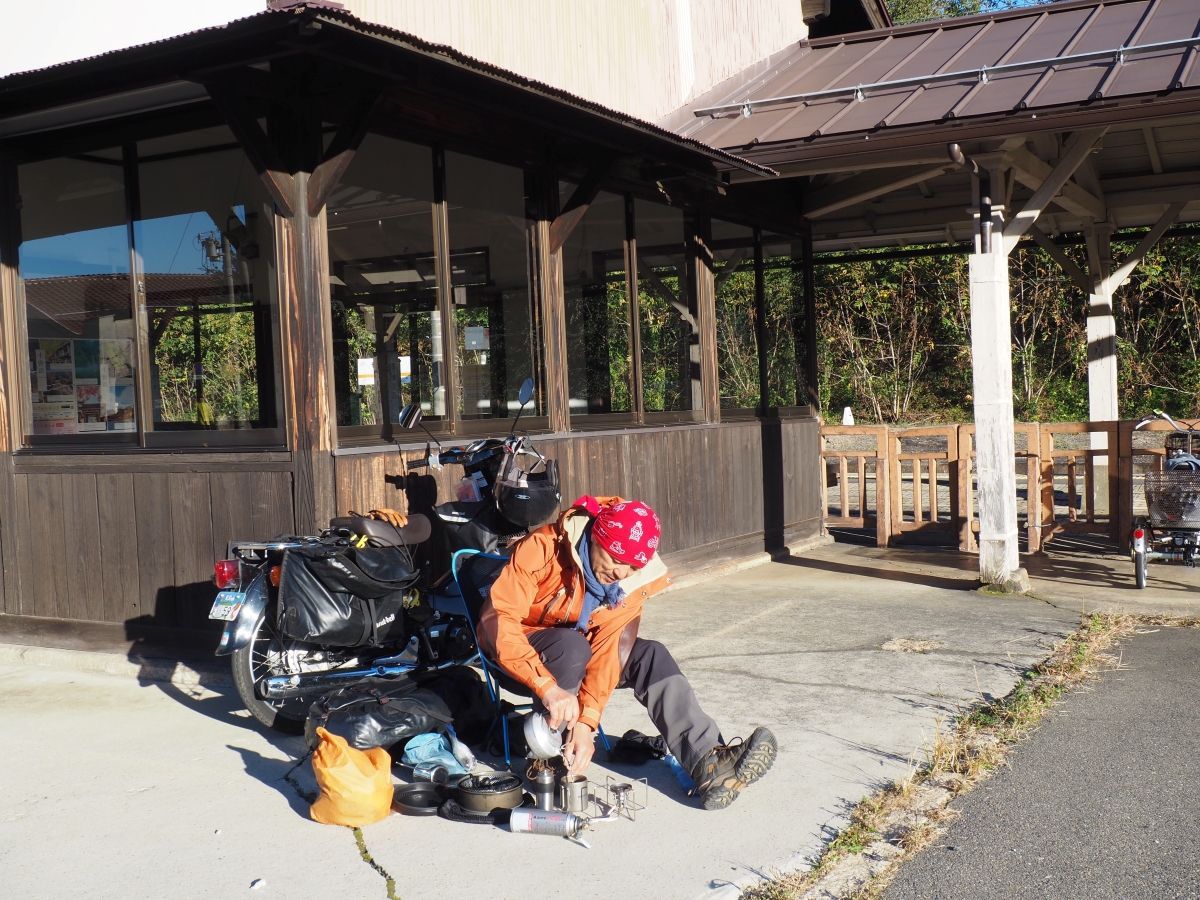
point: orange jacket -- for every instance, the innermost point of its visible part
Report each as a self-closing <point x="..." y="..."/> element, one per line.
<point x="542" y="587"/>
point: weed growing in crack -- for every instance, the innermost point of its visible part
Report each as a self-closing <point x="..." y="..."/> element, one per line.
<point x="370" y="861"/>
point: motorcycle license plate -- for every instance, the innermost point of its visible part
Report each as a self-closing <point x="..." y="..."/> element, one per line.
<point x="226" y="606"/>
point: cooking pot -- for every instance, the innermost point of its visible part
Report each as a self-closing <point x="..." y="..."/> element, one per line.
<point x="491" y="790"/>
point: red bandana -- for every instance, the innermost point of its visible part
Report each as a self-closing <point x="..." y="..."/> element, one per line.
<point x="629" y="530"/>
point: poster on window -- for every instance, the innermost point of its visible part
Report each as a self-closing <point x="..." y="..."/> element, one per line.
<point x="81" y="385"/>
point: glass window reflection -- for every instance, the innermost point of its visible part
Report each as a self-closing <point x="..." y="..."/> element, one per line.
<point x="737" y="315"/>
<point x="387" y="331"/>
<point x="667" y="318"/>
<point x="75" y="281"/>
<point x="599" y="350"/>
<point x="203" y="238"/>
<point x="493" y="305"/>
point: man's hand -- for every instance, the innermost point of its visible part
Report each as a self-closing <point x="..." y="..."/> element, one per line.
<point x="578" y="750"/>
<point x="391" y="516"/>
<point x="561" y="706"/>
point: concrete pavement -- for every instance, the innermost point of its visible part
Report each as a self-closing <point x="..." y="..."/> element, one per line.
<point x="131" y="790"/>
<point x="1101" y="802"/>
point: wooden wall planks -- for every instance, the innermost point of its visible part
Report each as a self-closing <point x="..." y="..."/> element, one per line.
<point x="707" y="482"/>
<point x="123" y="546"/>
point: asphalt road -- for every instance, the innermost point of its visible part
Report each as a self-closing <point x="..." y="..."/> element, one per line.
<point x="1102" y="801"/>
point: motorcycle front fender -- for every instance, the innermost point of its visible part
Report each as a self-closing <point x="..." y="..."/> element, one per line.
<point x="239" y="630"/>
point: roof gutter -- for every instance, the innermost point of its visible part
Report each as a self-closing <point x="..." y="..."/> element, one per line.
<point x="983" y="75"/>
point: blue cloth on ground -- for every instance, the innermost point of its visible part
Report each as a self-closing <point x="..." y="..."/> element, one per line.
<point x="595" y="593"/>
<point x="431" y="749"/>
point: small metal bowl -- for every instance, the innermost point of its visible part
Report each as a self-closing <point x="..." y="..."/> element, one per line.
<point x="421" y="799"/>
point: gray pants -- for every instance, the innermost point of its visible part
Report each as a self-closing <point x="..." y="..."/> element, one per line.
<point x="656" y="681"/>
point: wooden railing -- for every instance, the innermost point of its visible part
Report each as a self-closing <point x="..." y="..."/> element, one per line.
<point x="1080" y="478"/>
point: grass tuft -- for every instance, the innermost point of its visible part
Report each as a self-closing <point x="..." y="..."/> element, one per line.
<point x="957" y="758"/>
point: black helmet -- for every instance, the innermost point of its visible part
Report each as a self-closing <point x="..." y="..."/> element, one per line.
<point x="527" y="498"/>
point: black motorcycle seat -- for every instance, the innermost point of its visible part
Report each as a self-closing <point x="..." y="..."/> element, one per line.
<point x="417" y="530"/>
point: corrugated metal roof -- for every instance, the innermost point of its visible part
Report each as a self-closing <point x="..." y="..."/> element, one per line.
<point x="1050" y="56"/>
<point x="334" y="14"/>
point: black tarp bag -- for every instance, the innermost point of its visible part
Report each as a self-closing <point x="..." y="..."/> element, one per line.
<point x="341" y="597"/>
<point x="377" y="712"/>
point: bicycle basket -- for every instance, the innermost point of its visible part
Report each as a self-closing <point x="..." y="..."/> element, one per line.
<point x="1173" y="499"/>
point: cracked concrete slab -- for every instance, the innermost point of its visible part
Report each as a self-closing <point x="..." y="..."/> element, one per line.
<point x="793" y="645"/>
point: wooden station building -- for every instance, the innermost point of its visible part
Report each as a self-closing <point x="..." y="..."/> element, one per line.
<point x="228" y="259"/>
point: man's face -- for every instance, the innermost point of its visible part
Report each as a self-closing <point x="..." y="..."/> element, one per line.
<point x="606" y="568"/>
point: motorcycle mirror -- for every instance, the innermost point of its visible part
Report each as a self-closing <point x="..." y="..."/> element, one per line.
<point x="526" y="393"/>
<point x="410" y="416"/>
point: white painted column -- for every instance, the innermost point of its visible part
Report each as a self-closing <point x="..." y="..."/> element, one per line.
<point x="1102" y="362"/>
<point x="991" y="359"/>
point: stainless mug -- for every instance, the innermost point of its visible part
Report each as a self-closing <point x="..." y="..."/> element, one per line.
<point x="573" y="793"/>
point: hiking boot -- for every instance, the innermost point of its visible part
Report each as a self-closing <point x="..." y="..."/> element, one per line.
<point x="728" y="768"/>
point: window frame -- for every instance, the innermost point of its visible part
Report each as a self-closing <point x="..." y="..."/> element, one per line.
<point x="13" y="316"/>
<point x="453" y="425"/>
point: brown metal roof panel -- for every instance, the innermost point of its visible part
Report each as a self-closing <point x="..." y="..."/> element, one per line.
<point x="1072" y="83"/>
<point x="1001" y="94"/>
<point x="1146" y="74"/>
<point x="1113" y="28"/>
<point x="933" y="103"/>
<point x="883" y="64"/>
<point x="1172" y="19"/>
<point x="824" y="70"/>
<point x="744" y="130"/>
<point x="872" y="111"/>
<point x="1053" y="36"/>
<point x="939" y="51"/>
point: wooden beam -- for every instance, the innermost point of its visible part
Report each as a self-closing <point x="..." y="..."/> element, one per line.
<point x="730" y="269"/>
<point x="1078" y="277"/>
<point x="1152" y="149"/>
<point x="341" y="151"/>
<point x="1032" y="172"/>
<point x="1122" y="273"/>
<point x="244" y="125"/>
<point x="1074" y="154"/>
<point x="576" y="208"/>
<point x="865" y="187"/>
<point x="644" y="271"/>
<point x="704" y="291"/>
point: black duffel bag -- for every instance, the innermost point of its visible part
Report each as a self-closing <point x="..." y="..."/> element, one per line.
<point x="341" y="597"/>
<point x="377" y="712"/>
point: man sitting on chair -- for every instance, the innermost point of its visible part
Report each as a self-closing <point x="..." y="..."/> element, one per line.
<point x="562" y="619"/>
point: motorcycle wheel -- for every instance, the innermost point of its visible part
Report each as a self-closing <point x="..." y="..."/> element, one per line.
<point x="262" y="657"/>
<point x="1139" y="569"/>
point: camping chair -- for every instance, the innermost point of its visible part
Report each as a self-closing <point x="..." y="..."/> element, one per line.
<point x="484" y="573"/>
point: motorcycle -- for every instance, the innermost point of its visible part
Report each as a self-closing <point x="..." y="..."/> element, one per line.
<point x="307" y="615"/>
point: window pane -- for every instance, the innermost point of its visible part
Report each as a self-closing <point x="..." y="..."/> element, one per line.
<point x="737" y="320"/>
<point x="670" y="356"/>
<point x="74" y="259"/>
<point x="493" y="306"/>
<point x="599" y="359"/>
<point x="387" y="346"/>
<point x="204" y="249"/>
<point x="783" y="283"/>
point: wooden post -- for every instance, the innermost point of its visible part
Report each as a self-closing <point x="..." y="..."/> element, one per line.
<point x="991" y="357"/>
<point x="1115" y="527"/>
<point x="635" y="315"/>
<point x="1124" y="486"/>
<point x="883" y="500"/>
<point x="308" y="362"/>
<point x="706" y="317"/>
<point x="760" y="325"/>
<point x="810" y="320"/>
<point x="962" y="511"/>
<point x="13" y="352"/>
